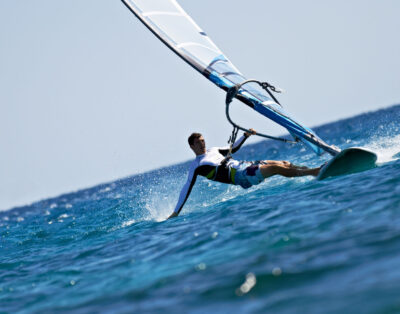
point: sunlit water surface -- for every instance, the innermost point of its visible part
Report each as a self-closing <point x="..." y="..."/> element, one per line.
<point x="285" y="246"/>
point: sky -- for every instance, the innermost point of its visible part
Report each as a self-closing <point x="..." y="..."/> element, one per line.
<point x="88" y="95"/>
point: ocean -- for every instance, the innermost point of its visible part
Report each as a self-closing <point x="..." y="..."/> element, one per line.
<point x="285" y="246"/>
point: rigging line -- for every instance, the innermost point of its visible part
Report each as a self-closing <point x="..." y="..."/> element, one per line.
<point x="232" y="92"/>
<point x="266" y="86"/>
<point x="229" y="97"/>
<point x="232" y="140"/>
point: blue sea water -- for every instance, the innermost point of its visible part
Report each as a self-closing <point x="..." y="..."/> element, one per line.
<point x="285" y="246"/>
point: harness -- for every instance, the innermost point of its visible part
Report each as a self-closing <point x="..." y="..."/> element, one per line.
<point x="222" y="173"/>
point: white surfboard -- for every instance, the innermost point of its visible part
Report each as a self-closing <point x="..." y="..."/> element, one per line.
<point x="350" y="160"/>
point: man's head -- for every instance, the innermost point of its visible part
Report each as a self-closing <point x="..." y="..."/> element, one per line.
<point x="197" y="144"/>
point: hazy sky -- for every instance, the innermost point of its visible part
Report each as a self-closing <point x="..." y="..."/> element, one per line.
<point x="89" y="95"/>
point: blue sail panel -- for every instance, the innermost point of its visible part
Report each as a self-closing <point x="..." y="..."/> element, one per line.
<point x="263" y="104"/>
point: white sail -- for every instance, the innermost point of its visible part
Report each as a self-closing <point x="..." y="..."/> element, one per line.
<point x="173" y="26"/>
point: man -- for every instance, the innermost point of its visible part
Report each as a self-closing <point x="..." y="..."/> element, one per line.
<point x="216" y="165"/>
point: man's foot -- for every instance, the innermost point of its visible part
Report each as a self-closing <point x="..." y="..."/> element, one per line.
<point x="315" y="171"/>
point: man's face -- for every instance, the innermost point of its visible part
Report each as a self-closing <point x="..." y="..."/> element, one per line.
<point x="199" y="146"/>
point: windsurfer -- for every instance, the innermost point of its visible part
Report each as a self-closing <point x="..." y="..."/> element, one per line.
<point x="217" y="165"/>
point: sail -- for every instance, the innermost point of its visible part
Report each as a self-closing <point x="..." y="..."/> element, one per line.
<point x="176" y="29"/>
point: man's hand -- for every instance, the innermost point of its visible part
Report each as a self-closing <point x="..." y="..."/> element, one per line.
<point x="173" y="215"/>
<point x="247" y="134"/>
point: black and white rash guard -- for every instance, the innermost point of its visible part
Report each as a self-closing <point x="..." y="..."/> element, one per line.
<point x="212" y="165"/>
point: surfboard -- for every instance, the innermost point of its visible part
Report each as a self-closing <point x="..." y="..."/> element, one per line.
<point x="349" y="160"/>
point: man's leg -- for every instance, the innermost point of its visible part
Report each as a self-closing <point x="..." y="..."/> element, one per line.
<point x="286" y="169"/>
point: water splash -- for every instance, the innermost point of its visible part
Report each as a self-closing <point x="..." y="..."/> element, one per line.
<point x="387" y="148"/>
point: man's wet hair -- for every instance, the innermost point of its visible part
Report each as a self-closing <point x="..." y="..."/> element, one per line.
<point x="192" y="137"/>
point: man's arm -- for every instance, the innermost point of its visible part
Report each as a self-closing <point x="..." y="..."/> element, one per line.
<point x="185" y="192"/>
<point x="238" y="144"/>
